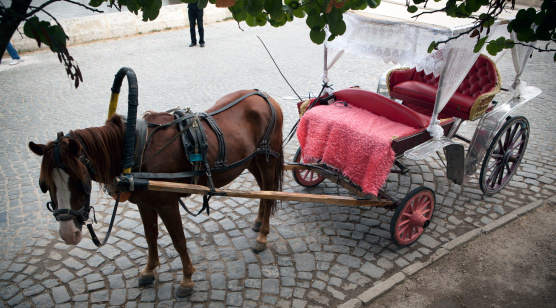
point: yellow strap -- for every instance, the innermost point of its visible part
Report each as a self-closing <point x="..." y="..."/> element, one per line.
<point x="113" y="104"/>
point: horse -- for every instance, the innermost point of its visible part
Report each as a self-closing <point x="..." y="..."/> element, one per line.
<point x="95" y="154"/>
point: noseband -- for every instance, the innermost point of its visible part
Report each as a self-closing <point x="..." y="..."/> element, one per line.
<point x="68" y="214"/>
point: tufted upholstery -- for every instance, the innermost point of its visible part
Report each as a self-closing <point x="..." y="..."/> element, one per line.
<point x="470" y="100"/>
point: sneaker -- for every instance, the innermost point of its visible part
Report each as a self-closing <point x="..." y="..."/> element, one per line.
<point x="202" y="44"/>
<point x="192" y="44"/>
<point x="15" y="61"/>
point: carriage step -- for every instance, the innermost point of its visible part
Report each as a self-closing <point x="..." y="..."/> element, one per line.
<point x="455" y="159"/>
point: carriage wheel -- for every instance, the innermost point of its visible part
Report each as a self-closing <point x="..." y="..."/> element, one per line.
<point x="306" y="178"/>
<point x="412" y="216"/>
<point x="504" y="155"/>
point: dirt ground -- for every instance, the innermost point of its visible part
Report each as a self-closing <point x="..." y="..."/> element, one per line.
<point x="514" y="266"/>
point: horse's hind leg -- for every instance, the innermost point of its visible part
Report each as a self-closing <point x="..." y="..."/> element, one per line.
<point x="265" y="180"/>
<point x="172" y="219"/>
<point x="150" y="225"/>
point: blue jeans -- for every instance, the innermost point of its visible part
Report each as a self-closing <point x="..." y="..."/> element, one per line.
<point x="13" y="53"/>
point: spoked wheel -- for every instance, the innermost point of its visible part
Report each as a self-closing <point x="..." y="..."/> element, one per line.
<point x="412" y="216"/>
<point x="504" y="155"/>
<point x="306" y="178"/>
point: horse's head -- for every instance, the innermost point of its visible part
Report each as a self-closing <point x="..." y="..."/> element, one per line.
<point x="65" y="175"/>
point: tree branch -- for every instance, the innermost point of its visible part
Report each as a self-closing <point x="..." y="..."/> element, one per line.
<point x="41" y="8"/>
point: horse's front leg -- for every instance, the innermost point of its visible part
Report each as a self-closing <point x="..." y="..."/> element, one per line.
<point x="170" y="215"/>
<point x="262" y="223"/>
<point x="150" y="225"/>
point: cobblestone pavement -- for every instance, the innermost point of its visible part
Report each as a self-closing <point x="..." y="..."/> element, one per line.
<point x="319" y="255"/>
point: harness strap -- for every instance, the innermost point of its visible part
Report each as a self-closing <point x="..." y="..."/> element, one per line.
<point x="92" y="232"/>
<point x="187" y="174"/>
<point x="221" y="158"/>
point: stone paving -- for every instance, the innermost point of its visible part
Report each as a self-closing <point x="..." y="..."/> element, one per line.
<point x="319" y="255"/>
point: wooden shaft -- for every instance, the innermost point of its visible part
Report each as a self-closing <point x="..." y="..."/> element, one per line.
<point x="274" y="195"/>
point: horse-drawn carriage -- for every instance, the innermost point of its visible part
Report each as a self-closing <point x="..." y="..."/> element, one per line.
<point x="353" y="137"/>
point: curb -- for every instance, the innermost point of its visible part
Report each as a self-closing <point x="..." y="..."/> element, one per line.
<point x="385" y="286"/>
<point x="120" y="24"/>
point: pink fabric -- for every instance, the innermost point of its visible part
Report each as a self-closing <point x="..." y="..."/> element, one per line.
<point x="352" y="140"/>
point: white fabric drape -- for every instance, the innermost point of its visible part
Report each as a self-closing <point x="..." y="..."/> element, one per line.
<point x="520" y="55"/>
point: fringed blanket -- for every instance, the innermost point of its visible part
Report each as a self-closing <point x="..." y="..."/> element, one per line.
<point x="352" y="140"/>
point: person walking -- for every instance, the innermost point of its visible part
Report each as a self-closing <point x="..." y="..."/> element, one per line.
<point x="13" y="53"/>
<point x="196" y="16"/>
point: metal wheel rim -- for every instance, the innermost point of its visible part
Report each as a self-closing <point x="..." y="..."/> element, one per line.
<point x="505" y="157"/>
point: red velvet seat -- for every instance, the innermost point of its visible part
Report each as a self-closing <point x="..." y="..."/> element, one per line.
<point x="470" y="101"/>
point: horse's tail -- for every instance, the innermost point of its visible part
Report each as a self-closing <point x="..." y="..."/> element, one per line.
<point x="279" y="168"/>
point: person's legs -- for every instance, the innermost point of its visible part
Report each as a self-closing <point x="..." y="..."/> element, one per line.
<point x="192" y="19"/>
<point x="13" y="53"/>
<point x="201" y="29"/>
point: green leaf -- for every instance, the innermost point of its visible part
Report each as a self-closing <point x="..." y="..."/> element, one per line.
<point x="373" y="4"/>
<point x="238" y="11"/>
<point x="432" y="46"/>
<point x="254" y="7"/>
<point x="132" y="6"/>
<point x="412" y="9"/>
<point x="317" y="35"/>
<point x="331" y="38"/>
<point x="151" y="10"/>
<point x="201" y="4"/>
<point x="299" y="13"/>
<point x="337" y="28"/>
<point x="480" y="44"/>
<point x="274" y="9"/>
<point x="96" y="3"/>
<point x="472" y="5"/>
<point x="312" y="20"/>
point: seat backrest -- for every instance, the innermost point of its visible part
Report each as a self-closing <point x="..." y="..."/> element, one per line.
<point x="481" y="78"/>
<point x="382" y="106"/>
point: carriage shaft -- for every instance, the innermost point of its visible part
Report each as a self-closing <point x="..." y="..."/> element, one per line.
<point x="273" y="195"/>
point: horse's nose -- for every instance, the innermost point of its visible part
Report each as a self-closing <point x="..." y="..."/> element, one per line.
<point x="69" y="233"/>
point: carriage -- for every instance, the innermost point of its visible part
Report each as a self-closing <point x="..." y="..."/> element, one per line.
<point x="353" y="137"/>
<point x="422" y="101"/>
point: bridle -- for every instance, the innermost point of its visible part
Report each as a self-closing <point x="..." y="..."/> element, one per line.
<point x="83" y="213"/>
<point x="68" y="214"/>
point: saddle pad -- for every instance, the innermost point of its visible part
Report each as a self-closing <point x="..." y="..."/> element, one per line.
<point x="353" y="140"/>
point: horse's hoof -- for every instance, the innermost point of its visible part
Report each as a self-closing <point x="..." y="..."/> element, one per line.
<point x="258" y="247"/>
<point x="256" y="226"/>
<point x="145" y="280"/>
<point x="182" y="292"/>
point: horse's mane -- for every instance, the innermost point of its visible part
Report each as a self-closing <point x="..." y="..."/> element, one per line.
<point x="103" y="146"/>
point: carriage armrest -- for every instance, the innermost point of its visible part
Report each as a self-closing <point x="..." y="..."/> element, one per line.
<point x="399" y="75"/>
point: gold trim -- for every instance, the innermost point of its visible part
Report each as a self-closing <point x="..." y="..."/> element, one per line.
<point x="483" y="101"/>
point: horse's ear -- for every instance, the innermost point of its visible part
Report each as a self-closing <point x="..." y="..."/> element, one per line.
<point x="37" y="148"/>
<point x="73" y="147"/>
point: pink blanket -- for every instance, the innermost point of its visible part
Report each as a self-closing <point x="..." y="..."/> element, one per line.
<point x="352" y="140"/>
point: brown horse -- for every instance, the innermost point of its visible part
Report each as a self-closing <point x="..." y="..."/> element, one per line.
<point x="67" y="164"/>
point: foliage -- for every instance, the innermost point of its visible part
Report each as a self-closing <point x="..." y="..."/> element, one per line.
<point x="531" y="25"/>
